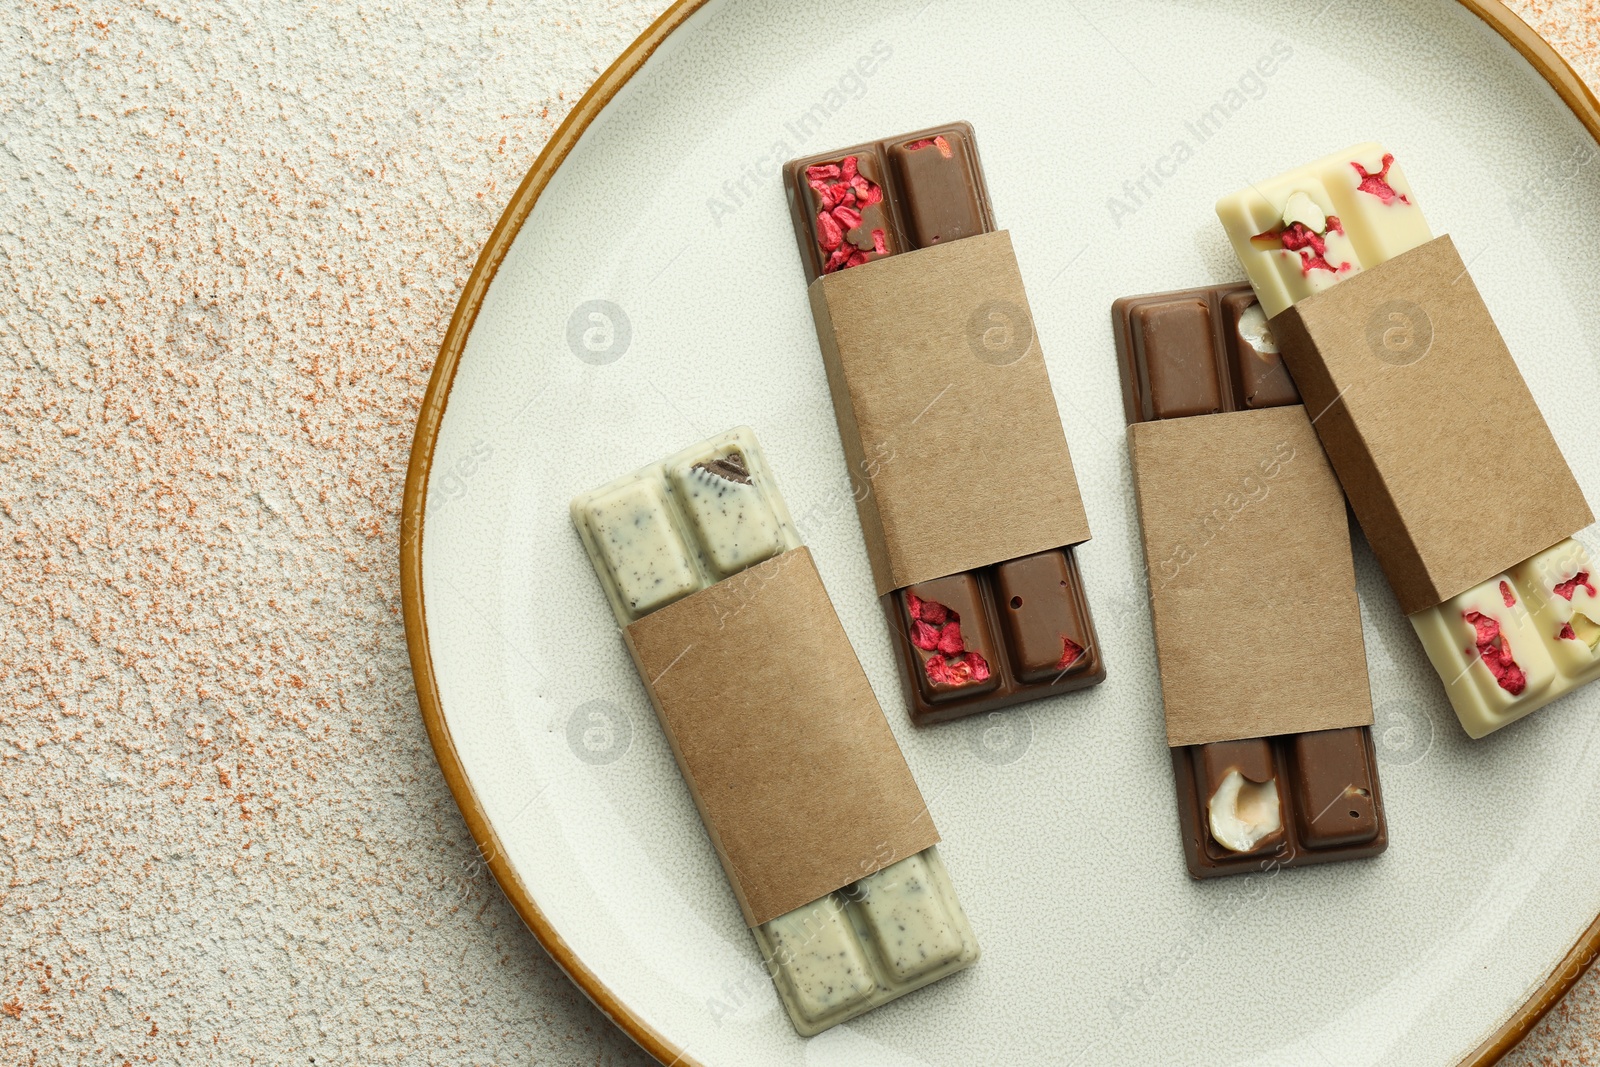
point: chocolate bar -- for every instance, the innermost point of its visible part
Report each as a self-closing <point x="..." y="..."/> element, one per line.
<point x="1512" y="642"/>
<point x="1311" y="228"/>
<point x="704" y="520"/>
<point x="1245" y="805"/>
<point x="1508" y="646"/>
<point x="996" y="635"/>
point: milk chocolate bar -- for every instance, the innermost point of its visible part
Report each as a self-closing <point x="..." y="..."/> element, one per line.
<point x="706" y="516"/>
<point x="998" y="635"/>
<point x="1511" y="642"/>
<point x="1251" y="804"/>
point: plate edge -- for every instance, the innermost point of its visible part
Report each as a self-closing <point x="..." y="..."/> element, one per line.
<point x="430" y="419"/>
<point x="1539" y="54"/>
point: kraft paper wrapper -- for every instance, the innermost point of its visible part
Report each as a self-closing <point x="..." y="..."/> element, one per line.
<point x="788" y="756"/>
<point x="949" y="425"/>
<point x="1440" y="447"/>
<point x="1252" y="588"/>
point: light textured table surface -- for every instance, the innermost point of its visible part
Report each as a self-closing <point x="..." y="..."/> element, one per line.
<point x="231" y="238"/>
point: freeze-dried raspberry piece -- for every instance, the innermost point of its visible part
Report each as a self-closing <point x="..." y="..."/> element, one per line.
<point x="1566" y="633"/>
<point x="915" y="605"/>
<point x="950" y="642"/>
<point x="1566" y="590"/>
<point x="829" y="233"/>
<point x="1311" y="245"/>
<point x="842" y="193"/>
<point x="1298" y="237"/>
<point x="1378" y="184"/>
<point x="1310" y="263"/>
<point x="924" y="636"/>
<point x="1070" y="652"/>
<point x="1495" y="651"/>
<point x="1507" y="595"/>
<point x="970" y="669"/>
<point x="931" y="142"/>
<point x="935" y="612"/>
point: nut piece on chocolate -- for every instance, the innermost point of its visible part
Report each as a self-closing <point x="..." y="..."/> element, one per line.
<point x="1260" y="802"/>
<point x="1313" y="227"/>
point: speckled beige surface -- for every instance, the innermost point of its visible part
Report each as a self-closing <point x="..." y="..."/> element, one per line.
<point x="232" y="238"/>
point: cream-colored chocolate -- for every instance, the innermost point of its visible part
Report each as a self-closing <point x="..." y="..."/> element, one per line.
<point x="677" y="526"/>
<point x="1399" y="364"/>
<point x="708" y="522"/>
<point x="888" y="934"/>
<point x="634" y="541"/>
<point x="1328" y="227"/>
<point x="1542" y="624"/>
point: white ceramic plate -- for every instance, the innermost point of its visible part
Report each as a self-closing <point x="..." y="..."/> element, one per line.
<point x="654" y="297"/>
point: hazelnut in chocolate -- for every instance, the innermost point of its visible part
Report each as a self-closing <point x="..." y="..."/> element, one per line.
<point x="1248" y="804"/>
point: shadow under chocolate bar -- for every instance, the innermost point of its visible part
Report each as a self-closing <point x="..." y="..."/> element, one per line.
<point x="984" y="639"/>
<point x="1202" y="352"/>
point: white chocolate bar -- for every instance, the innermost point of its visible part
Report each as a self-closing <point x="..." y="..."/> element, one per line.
<point x="1369" y="214"/>
<point x="883" y="937"/>
<point x="1315" y="226"/>
<point x="1511" y="645"/>
<point x="682" y="525"/>
<point x="677" y="526"/>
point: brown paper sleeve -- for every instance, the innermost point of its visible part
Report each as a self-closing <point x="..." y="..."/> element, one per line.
<point x="788" y="756"/>
<point x="1252" y="588"/>
<point x="1429" y="425"/>
<point x="944" y="405"/>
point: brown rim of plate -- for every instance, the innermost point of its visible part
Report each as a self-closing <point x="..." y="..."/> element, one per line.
<point x="1540" y="55"/>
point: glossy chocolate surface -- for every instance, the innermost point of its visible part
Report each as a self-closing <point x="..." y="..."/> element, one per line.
<point x="942" y="197"/>
<point x="1024" y="624"/>
<point x="916" y="190"/>
<point x="1017" y="617"/>
<point x="1183" y="354"/>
